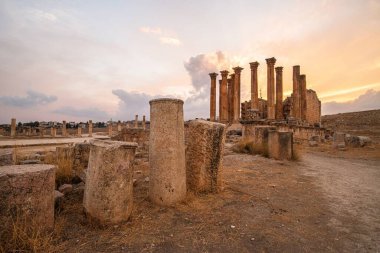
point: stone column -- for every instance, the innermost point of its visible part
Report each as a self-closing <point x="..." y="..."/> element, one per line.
<point x="303" y="101"/>
<point x="213" y="96"/>
<point x="232" y="102"/>
<point x="27" y="191"/>
<point x="204" y="155"/>
<point x="296" y="93"/>
<point x="220" y="101"/>
<point x="167" y="152"/>
<point x="254" y="86"/>
<point x="108" y="194"/>
<point x="119" y="126"/>
<point x="79" y="130"/>
<point x="53" y="132"/>
<point x="136" y="121"/>
<point x="64" y="131"/>
<point x="270" y="87"/>
<point x="90" y="128"/>
<point x="143" y="123"/>
<point x="13" y="127"/>
<point x="110" y="129"/>
<point x="237" y="71"/>
<point x="279" y="93"/>
<point x="223" y="97"/>
<point x="229" y="98"/>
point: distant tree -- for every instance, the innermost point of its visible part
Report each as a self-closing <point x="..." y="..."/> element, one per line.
<point x="19" y="124"/>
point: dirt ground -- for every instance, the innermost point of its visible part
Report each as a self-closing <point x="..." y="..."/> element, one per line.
<point x="325" y="202"/>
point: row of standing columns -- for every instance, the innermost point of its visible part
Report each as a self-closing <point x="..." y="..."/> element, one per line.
<point x="230" y="91"/>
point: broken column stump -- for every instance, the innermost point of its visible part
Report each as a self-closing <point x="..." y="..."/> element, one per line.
<point x="167" y="152"/>
<point x="108" y="195"/>
<point x="280" y="145"/>
<point x="27" y="194"/>
<point x="204" y="155"/>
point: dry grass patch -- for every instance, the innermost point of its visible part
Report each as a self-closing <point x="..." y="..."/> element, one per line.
<point x="247" y="146"/>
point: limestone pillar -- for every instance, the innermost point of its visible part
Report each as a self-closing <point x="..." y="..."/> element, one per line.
<point x="108" y="194"/>
<point x="213" y="97"/>
<point x="279" y="94"/>
<point x="280" y="145"/>
<point x="270" y="87"/>
<point x="136" y="121"/>
<point x="204" y="156"/>
<point x="237" y="71"/>
<point x="220" y="101"/>
<point x="27" y="191"/>
<point x="53" y="132"/>
<point x="167" y="152"/>
<point x="296" y="93"/>
<point x="232" y="104"/>
<point x="64" y="131"/>
<point x="90" y="128"/>
<point x="254" y="86"/>
<point x="223" y="98"/>
<point x="110" y="129"/>
<point x="13" y="128"/>
<point x="143" y="123"/>
<point x="229" y="98"/>
<point x="79" y="129"/>
<point x="303" y="101"/>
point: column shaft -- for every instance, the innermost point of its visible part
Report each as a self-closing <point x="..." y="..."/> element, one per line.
<point x="213" y="96"/>
<point x="270" y="87"/>
<point x="237" y="94"/>
<point x="254" y="86"/>
<point x="223" y="117"/>
<point x="279" y="93"/>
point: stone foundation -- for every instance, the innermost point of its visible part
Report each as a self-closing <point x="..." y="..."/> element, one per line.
<point x="204" y="153"/>
<point x="280" y="145"/>
<point x="108" y="195"/>
<point x="27" y="190"/>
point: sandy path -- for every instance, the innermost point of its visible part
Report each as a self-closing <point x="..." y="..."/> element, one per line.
<point x="352" y="187"/>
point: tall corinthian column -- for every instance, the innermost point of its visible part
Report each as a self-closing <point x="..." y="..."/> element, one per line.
<point x="303" y="103"/>
<point x="296" y="93"/>
<point x="213" y="96"/>
<point x="270" y="87"/>
<point x="223" y="116"/>
<point x="279" y="112"/>
<point x="229" y="98"/>
<point x="236" y="96"/>
<point x="254" y="88"/>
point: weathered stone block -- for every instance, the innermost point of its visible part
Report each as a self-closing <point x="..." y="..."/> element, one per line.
<point x="280" y="145"/>
<point x="339" y="139"/>
<point x="204" y="153"/>
<point x="108" y="195"/>
<point x="27" y="190"/>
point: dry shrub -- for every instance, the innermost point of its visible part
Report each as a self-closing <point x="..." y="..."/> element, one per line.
<point x="64" y="171"/>
<point x="22" y="234"/>
<point x="247" y="146"/>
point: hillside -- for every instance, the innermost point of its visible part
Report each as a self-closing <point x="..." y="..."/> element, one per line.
<point x="358" y="123"/>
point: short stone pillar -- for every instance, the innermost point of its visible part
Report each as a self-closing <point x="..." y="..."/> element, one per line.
<point x="90" y="128"/>
<point x="110" y="129"/>
<point x="143" y="123"/>
<point x="339" y="140"/>
<point x="108" y="195"/>
<point x="53" y="132"/>
<point x="64" y="130"/>
<point x="79" y="134"/>
<point x="27" y="191"/>
<point x="167" y="152"/>
<point x="136" y="121"/>
<point x="13" y="128"/>
<point x="204" y="155"/>
<point x="119" y="126"/>
<point x="280" y="145"/>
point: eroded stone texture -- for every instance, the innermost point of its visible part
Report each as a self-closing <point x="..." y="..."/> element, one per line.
<point x="257" y="133"/>
<point x="27" y="190"/>
<point x="280" y="145"/>
<point x="108" y="195"/>
<point x="204" y="153"/>
<point x="167" y="152"/>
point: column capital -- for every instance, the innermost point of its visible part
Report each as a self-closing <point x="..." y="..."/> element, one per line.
<point x="232" y="75"/>
<point x="213" y="75"/>
<point x="254" y="65"/>
<point x="271" y="61"/>
<point x="279" y="69"/>
<point x="237" y="69"/>
<point x="224" y="73"/>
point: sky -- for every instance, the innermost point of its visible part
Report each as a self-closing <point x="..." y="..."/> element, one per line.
<point x="77" y="60"/>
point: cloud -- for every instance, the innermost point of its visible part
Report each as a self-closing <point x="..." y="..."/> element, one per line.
<point x="151" y="30"/>
<point x="33" y="98"/>
<point x="42" y="15"/>
<point x="89" y="113"/>
<point x="170" y="41"/>
<point x="368" y="101"/>
<point x="161" y="35"/>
